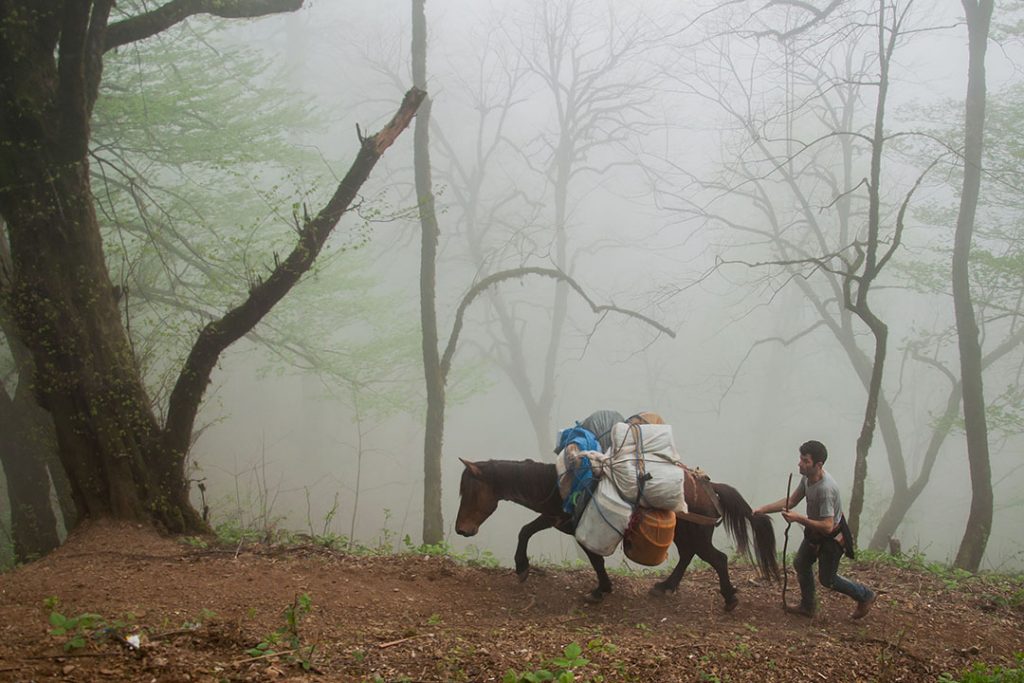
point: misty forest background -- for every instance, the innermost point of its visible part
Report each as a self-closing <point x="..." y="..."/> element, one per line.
<point x="766" y="221"/>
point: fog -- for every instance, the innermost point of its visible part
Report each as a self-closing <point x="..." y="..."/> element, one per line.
<point x="656" y="222"/>
<point x="739" y="408"/>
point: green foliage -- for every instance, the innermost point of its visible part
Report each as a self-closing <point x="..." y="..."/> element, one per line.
<point x="1014" y="600"/>
<point x="996" y="255"/>
<point x="600" y="645"/>
<point x="232" y="532"/>
<point x="473" y="555"/>
<point x="478" y="558"/>
<point x="442" y="549"/>
<point x="983" y="673"/>
<point x="200" y="178"/>
<point x="197" y="542"/>
<point x="204" y="616"/>
<point x="560" y="669"/>
<point x="77" y="630"/>
<point x="325" y="537"/>
<point x="286" y="639"/>
<point x="952" y="577"/>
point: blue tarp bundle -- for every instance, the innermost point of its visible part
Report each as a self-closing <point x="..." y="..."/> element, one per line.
<point x="583" y="438"/>
<point x="582" y="477"/>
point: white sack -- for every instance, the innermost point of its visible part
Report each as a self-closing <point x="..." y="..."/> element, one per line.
<point x="604" y="520"/>
<point x="648" y="449"/>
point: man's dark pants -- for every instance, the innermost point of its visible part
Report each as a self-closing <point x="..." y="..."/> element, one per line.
<point x="827" y="553"/>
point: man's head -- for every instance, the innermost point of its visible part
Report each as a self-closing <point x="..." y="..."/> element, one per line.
<point x="813" y="455"/>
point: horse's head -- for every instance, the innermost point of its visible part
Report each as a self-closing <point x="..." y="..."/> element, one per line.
<point x="478" y="500"/>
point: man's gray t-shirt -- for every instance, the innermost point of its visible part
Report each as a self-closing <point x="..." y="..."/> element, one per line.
<point x="822" y="498"/>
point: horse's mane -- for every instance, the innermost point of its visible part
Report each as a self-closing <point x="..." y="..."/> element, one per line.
<point x="523" y="481"/>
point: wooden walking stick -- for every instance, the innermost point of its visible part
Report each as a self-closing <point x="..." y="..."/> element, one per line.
<point x="785" y="544"/>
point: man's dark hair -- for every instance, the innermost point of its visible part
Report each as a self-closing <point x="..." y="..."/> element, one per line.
<point x="815" y="449"/>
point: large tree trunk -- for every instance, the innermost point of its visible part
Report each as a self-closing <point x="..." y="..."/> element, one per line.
<point x="23" y="431"/>
<point x="866" y="436"/>
<point x="120" y="462"/>
<point x="857" y="301"/>
<point x="979" y="522"/>
<point x="63" y="302"/>
<point x="28" y="448"/>
<point x="905" y="495"/>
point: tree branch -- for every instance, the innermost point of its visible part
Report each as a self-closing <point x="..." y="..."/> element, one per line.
<point x="898" y="233"/>
<point x="767" y="340"/>
<point x="263" y="296"/>
<point x="149" y="24"/>
<point x="514" y="273"/>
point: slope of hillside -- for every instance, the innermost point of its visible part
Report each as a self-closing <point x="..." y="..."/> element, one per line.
<point x="201" y="614"/>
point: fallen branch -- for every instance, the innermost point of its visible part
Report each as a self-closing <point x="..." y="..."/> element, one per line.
<point x="889" y="645"/>
<point x="403" y="640"/>
<point x="76" y="655"/>
<point x="266" y="656"/>
<point x="171" y="634"/>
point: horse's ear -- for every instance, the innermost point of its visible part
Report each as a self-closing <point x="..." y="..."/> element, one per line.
<point x="472" y="467"/>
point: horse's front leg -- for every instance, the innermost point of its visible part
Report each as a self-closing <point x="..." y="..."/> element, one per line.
<point x="522" y="559"/>
<point x="604" y="584"/>
<point x="685" y="547"/>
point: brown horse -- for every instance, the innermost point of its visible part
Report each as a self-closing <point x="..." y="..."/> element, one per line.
<point x="535" y="485"/>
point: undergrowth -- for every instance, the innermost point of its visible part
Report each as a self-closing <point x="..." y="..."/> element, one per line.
<point x="985" y="673"/>
<point x="1008" y="588"/>
<point x="76" y="630"/>
<point x="286" y="641"/>
<point x="952" y="577"/>
<point x="231" y="533"/>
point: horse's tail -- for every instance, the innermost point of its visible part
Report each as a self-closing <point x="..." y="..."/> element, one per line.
<point x="737" y="513"/>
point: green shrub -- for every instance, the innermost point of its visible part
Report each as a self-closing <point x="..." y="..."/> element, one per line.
<point x="984" y="673"/>
<point x="561" y="668"/>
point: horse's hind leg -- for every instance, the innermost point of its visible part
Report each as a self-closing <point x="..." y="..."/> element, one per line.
<point x="522" y="559"/>
<point x="720" y="562"/>
<point x="604" y="584"/>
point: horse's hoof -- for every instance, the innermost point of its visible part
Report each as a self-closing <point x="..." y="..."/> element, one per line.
<point x="593" y="597"/>
<point x="731" y="603"/>
<point x="523" y="575"/>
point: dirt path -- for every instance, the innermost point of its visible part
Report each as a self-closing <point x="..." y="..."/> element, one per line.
<point x="199" y="613"/>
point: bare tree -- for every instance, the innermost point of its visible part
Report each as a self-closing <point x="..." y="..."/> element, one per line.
<point x="469" y="177"/>
<point x="979" y="521"/>
<point x="434" y="375"/>
<point x="817" y="200"/>
<point x="595" y="72"/>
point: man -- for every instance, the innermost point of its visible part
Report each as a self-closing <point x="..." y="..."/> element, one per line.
<point x="823" y="533"/>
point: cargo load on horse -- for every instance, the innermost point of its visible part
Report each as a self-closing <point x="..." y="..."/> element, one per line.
<point x="649" y="535"/>
<point x="645" y="466"/>
<point x="580" y="456"/>
<point x="640" y="487"/>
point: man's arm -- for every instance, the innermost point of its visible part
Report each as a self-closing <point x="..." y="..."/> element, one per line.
<point x="781" y="504"/>
<point x="822" y="526"/>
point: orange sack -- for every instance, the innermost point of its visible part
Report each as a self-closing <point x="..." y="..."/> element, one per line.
<point x="649" y="535"/>
<point x="646" y="418"/>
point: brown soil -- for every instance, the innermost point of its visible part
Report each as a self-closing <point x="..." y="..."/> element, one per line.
<point x="410" y="617"/>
